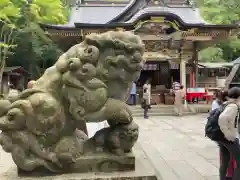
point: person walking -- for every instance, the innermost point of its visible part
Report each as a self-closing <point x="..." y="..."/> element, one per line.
<point x="133" y="94"/>
<point x="219" y="98"/>
<point x="175" y="86"/>
<point x="147" y="86"/>
<point x="216" y="101"/>
<point x="229" y="125"/>
<point x="146" y="102"/>
<point x="179" y="100"/>
<point x="222" y="99"/>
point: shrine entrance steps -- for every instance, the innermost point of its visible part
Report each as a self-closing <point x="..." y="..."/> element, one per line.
<point x="168" y="110"/>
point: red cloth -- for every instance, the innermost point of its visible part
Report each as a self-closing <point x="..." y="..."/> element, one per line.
<point x="190" y="96"/>
<point x="232" y="166"/>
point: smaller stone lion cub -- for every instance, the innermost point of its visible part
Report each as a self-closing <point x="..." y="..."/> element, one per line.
<point x="119" y="139"/>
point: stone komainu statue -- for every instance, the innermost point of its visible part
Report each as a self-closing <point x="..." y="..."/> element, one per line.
<point x="44" y="126"/>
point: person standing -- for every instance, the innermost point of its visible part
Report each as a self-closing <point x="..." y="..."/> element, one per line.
<point x="179" y="100"/>
<point x="229" y="124"/>
<point x="13" y="92"/>
<point x="175" y="86"/>
<point x="222" y="99"/>
<point x="146" y="102"/>
<point x="147" y="86"/>
<point x="133" y="94"/>
<point x="217" y="100"/>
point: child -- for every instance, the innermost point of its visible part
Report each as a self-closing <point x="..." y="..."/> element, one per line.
<point x="216" y="100"/>
<point x="146" y="102"/>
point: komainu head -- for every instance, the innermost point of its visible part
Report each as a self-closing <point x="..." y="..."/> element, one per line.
<point x="113" y="58"/>
<point x="120" y="56"/>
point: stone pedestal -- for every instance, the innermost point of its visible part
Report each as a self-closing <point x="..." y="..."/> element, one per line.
<point x="99" y="162"/>
<point x="143" y="170"/>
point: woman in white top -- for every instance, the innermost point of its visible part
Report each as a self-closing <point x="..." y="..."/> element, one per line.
<point x="147" y="86"/>
<point x="146" y="103"/>
<point x="216" y="100"/>
<point x="229" y="123"/>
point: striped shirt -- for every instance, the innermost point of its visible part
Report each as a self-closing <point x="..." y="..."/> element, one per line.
<point x="176" y="85"/>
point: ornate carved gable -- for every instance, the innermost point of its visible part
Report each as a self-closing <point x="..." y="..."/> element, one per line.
<point x="159" y="45"/>
<point x="153" y="28"/>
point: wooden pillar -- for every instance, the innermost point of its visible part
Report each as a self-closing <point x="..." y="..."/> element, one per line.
<point x="183" y="73"/>
<point x="158" y="74"/>
<point x="192" y="78"/>
<point x="182" y="65"/>
<point x="195" y="63"/>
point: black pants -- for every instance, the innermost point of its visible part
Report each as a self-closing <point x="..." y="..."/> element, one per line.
<point x="146" y="107"/>
<point x="226" y="148"/>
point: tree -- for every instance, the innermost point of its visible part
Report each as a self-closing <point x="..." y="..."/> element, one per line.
<point x="33" y="44"/>
<point x="211" y="54"/>
<point x="48" y="11"/>
<point x="222" y="12"/>
<point x="9" y="13"/>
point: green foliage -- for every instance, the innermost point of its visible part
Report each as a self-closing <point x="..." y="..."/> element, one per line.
<point x="231" y="48"/>
<point x="215" y="53"/>
<point x="35" y="54"/>
<point x="32" y="47"/>
<point x="221" y="12"/>
<point x="48" y="11"/>
<point x="9" y="13"/>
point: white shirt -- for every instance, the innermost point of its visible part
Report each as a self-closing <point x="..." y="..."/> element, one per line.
<point x="148" y="93"/>
<point x="148" y="87"/>
<point x="226" y="122"/>
<point x="215" y="105"/>
<point x="176" y="86"/>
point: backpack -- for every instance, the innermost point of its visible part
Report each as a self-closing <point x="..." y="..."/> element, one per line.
<point x="212" y="128"/>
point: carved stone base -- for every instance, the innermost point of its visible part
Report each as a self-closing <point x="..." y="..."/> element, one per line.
<point x="102" y="162"/>
<point x="143" y="171"/>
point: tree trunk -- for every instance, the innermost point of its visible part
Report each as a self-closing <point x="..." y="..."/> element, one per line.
<point x="2" y="65"/>
<point x="1" y="74"/>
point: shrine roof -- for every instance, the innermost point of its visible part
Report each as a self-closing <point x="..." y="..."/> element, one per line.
<point x="215" y="65"/>
<point x="236" y="61"/>
<point x="94" y="14"/>
<point x="126" y="13"/>
<point x="187" y="15"/>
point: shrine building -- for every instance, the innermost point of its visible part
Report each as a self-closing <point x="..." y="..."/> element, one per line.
<point x="173" y="32"/>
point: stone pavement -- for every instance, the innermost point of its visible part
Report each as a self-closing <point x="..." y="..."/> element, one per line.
<point x="176" y="147"/>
